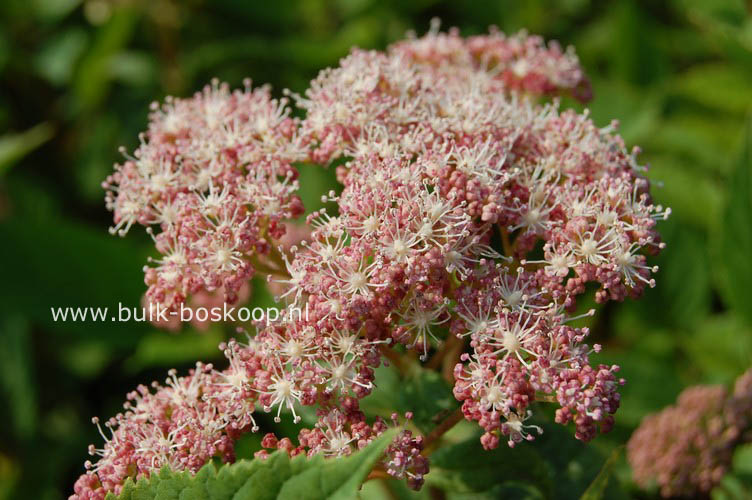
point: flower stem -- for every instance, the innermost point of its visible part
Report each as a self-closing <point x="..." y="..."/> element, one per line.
<point x="545" y="398"/>
<point x="264" y="268"/>
<point x="433" y="437"/>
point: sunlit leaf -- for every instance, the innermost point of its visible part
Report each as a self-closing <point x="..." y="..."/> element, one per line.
<point x="13" y="147"/>
<point x="278" y="476"/>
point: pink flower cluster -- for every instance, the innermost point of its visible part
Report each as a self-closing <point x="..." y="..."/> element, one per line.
<point x="450" y="181"/>
<point x="214" y="173"/>
<point x="688" y="447"/>
<point x="189" y="420"/>
<point x="453" y="178"/>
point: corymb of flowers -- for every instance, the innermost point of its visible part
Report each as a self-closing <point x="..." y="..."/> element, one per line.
<point x="473" y="213"/>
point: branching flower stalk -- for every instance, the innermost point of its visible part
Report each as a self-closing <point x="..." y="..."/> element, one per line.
<point x="453" y="177"/>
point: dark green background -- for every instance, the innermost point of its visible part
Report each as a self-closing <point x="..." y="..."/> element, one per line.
<point x="76" y="79"/>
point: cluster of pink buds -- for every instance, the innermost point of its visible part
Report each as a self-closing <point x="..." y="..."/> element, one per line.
<point x="687" y="448"/>
<point x="454" y="178"/>
<point x="214" y="173"/>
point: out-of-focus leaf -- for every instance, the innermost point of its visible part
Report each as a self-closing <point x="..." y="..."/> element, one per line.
<point x="638" y="112"/>
<point x="134" y="68"/>
<point x="737" y="484"/>
<point x="720" y="347"/>
<point x="4" y="51"/>
<point x="57" y="59"/>
<point x="716" y="85"/>
<point x="597" y="488"/>
<point x="696" y="139"/>
<point x="86" y="359"/>
<point x="735" y="243"/>
<point x="278" y="476"/>
<point x="743" y="460"/>
<point x="54" y="263"/>
<point x="682" y="297"/>
<point x="427" y="395"/>
<point x="731" y="488"/>
<point x="635" y="58"/>
<point x="13" y="147"/>
<point x="683" y="292"/>
<point x="692" y="195"/>
<point x="16" y="375"/>
<point x="353" y="7"/>
<point x="650" y="385"/>
<point x="94" y="73"/>
<point x="9" y="475"/>
<point x="54" y="10"/>
<point x="468" y="468"/>
<point x="726" y="31"/>
<point x="94" y="161"/>
<point x="162" y="349"/>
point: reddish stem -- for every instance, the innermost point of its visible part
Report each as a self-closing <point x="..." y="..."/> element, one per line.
<point x="449" y="422"/>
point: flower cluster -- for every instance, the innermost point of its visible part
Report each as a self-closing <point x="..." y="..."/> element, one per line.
<point x="451" y="180"/>
<point x="189" y="420"/>
<point x="688" y="447"/>
<point x="470" y="220"/>
<point x="214" y="173"/>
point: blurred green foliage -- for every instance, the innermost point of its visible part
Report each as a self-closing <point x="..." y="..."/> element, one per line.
<point x="76" y="78"/>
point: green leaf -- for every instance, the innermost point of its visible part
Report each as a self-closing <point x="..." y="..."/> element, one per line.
<point x="160" y="349"/>
<point x="17" y="375"/>
<point x="682" y="297"/>
<point x="735" y="243"/>
<point x="54" y="263"/>
<point x="13" y="147"/>
<point x="691" y="193"/>
<point x="638" y="110"/>
<point x="392" y="489"/>
<point x="703" y="82"/>
<point x="743" y="460"/>
<point x="56" y="61"/>
<point x="574" y="464"/>
<point x="597" y="488"/>
<point x="94" y="75"/>
<point x="696" y="141"/>
<point x="278" y="476"/>
<point x="650" y="369"/>
<point x="420" y="391"/>
<point x="737" y="484"/>
<point x="720" y="348"/>
<point x="468" y="468"/>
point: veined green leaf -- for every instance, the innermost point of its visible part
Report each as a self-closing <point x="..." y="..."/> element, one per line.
<point x="278" y="476"/>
